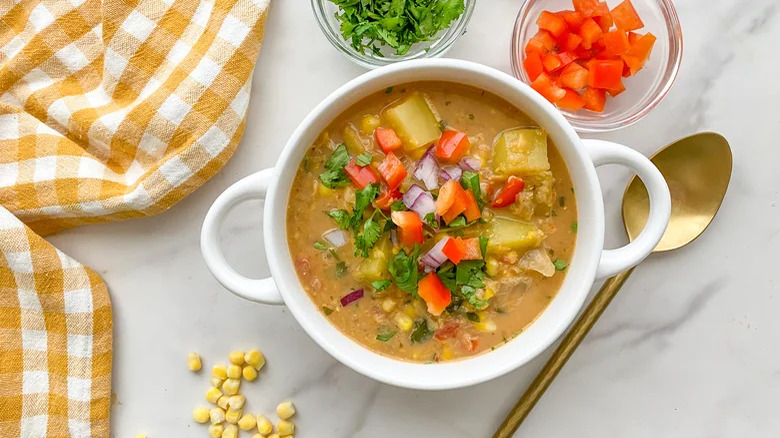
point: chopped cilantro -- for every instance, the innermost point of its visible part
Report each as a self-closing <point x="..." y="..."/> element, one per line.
<point x="446" y="274"/>
<point x="364" y="159"/>
<point x="562" y="201"/>
<point x="473" y="317"/>
<point x="366" y="239"/>
<point x="327" y="310"/>
<point x="342" y="217"/>
<point x="421" y="332"/>
<point x="560" y="264"/>
<point x="404" y="270"/>
<point x="388" y="90"/>
<point x="398" y="206"/>
<point x="573" y="227"/>
<point x="334" y="175"/>
<point x="553" y="213"/>
<point x="341" y="269"/>
<point x="381" y="285"/>
<point x="483" y="243"/>
<point x="385" y="334"/>
<point x="431" y="220"/>
<point x="320" y="246"/>
<point x="468" y="277"/>
<point x="442" y="125"/>
<point x="470" y="181"/>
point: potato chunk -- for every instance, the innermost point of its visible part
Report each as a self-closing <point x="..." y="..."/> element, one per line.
<point x="520" y="151"/>
<point x="413" y="121"/>
<point x="372" y="268"/>
<point x="506" y="234"/>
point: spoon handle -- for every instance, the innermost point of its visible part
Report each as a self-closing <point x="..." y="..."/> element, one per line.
<point x="561" y="355"/>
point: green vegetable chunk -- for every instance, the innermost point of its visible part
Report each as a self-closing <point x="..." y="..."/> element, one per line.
<point x="384" y="334"/>
<point x="353" y="141"/>
<point x="520" y="151"/>
<point x="507" y="234"/>
<point x="414" y="122"/>
<point x="421" y="332"/>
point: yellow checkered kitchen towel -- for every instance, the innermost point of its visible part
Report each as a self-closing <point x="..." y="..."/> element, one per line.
<point x="109" y="110"/>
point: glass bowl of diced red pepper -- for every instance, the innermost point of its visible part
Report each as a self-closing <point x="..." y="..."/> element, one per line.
<point x="604" y="64"/>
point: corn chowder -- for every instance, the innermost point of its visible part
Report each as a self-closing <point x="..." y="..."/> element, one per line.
<point x="432" y="221"/>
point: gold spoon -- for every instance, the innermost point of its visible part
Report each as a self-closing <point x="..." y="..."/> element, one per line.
<point x="697" y="169"/>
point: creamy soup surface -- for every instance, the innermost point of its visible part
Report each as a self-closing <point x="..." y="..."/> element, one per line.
<point x="432" y="221"/>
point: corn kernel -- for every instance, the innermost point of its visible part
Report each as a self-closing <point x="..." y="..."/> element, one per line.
<point x="236" y="401"/>
<point x="233" y="415"/>
<point x="231" y="386"/>
<point x="368" y="123"/>
<point x="257" y="435"/>
<point x="446" y="352"/>
<point x="219" y="371"/>
<point x="217" y="415"/>
<point x="215" y="430"/>
<point x="193" y="362"/>
<point x="285" y="410"/>
<point x="236" y="357"/>
<point x="274" y="435"/>
<point x="255" y="358"/>
<point x="388" y="305"/>
<point x="403" y="322"/>
<point x="491" y="267"/>
<point x="489" y="293"/>
<point x="247" y="422"/>
<point x="234" y="371"/>
<point x="249" y="372"/>
<point x="213" y="394"/>
<point x="264" y="425"/>
<point x="410" y="311"/>
<point x="323" y="191"/>
<point x="231" y="431"/>
<point x="485" y="325"/>
<point x="216" y="382"/>
<point x="224" y="402"/>
<point x="285" y="428"/>
<point x="200" y="414"/>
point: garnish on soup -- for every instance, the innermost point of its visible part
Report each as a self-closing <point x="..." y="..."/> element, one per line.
<point x="429" y="240"/>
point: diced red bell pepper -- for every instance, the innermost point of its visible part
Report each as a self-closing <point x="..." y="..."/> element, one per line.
<point x="387" y="139"/>
<point x="569" y="42"/>
<point x="410" y="231"/>
<point x="459" y="205"/>
<point x="447" y="194"/>
<point x="452" y="145"/>
<point x="471" y="249"/>
<point x="392" y="171"/>
<point x="533" y="65"/>
<point x="625" y="16"/>
<point x="595" y="99"/>
<point x="472" y="211"/>
<point x="435" y="294"/>
<point x="573" y="19"/>
<point x="617" y="91"/>
<point x="633" y="37"/>
<point x="387" y="198"/>
<point x="639" y="53"/>
<point x="551" y="62"/>
<point x="600" y="10"/>
<point x="507" y="194"/>
<point x="547" y="39"/>
<point x="457" y="249"/>
<point x="604" y="21"/>
<point x="552" y="23"/>
<point x="590" y="33"/>
<point x="605" y="74"/>
<point x="574" y="76"/>
<point x="571" y="102"/>
<point x="535" y="46"/>
<point x="586" y="7"/>
<point x="449" y="330"/>
<point x="616" y="42"/>
<point x="361" y="176"/>
<point x="567" y="58"/>
<point x="547" y="88"/>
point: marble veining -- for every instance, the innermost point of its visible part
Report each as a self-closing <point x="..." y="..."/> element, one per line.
<point x="689" y="348"/>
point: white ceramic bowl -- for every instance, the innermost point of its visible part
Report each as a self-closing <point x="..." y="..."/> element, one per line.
<point x="590" y="259"/>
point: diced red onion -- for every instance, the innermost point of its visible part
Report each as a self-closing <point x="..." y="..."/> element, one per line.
<point x="435" y="256"/>
<point x="424" y="205"/>
<point x="472" y="164"/>
<point x="350" y="297"/>
<point x="411" y="195"/>
<point x="427" y="170"/>
<point x="394" y="238"/>
<point x="450" y="172"/>
<point x="335" y="237"/>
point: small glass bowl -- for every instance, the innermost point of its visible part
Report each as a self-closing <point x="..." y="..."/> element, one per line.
<point x="643" y="91"/>
<point x="325" y="11"/>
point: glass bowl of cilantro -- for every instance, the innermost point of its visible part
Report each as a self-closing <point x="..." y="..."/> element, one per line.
<point x="380" y="32"/>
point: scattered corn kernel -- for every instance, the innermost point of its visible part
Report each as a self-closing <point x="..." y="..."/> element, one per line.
<point x="231" y="431"/>
<point x="233" y="415"/>
<point x="215" y="430"/>
<point x="257" y="435"/>
<point x="285" y="410"/>
<point x="403" y="322"/>
<point x="193" y="361"/>
<point x="273" y="435"/>
<point x="213" y="394"/>
<point x="236" y="357"/>
<point x="224" y="402"/>
<point x="485" y="325"/>
<point x="249" y="372"/>
<point x="388" y="305"/>
<point x="489" y="293"/>
<point x="264" y="425"/>
<point x="446" y="352"/>
<point x="234" y="371"/>
<point x="217" y="415"/>
<point x="236" y="401"/>
<point x="285" y="428"/>
<point x="219" y="371"/>
<point x="410" y="311"/>
<point x="247" y="422"/>
<point x="216" y="382"/>
<point x="231" y="386"/>
<point x="200" y="414"/>
<point x="491" y="267"/>
<point x="255" y="358"/>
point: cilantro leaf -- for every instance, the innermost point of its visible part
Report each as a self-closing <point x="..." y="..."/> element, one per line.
<point x="363" y="199"/>
<point x="334" y="175"/>
<point x="342" y="218"/>
<point x="421" y="332"/>
<point x="384" y="334"/>
<point x="364" y="159"/>
<point x="398" y="206"/>
<point x="483" y="243"/>
<point x="431" y="220"/>
<point x="560" y="264"/>
<point x="319" y="245"/>
<point x="381" y="285"/>
<point x="470" y="181"/>
<point x="468" y="277"/>
<point x="404" y="270"/>
<point x="368" y="237"/>
<point x="341" y="269"/>
<point x="446" y="274"/>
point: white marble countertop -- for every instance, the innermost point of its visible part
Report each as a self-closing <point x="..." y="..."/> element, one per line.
<point x="689" y="349"/>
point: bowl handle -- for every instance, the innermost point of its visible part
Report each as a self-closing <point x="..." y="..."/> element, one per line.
<point x="617" y="260"/>
<point x="261" y="290"/>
